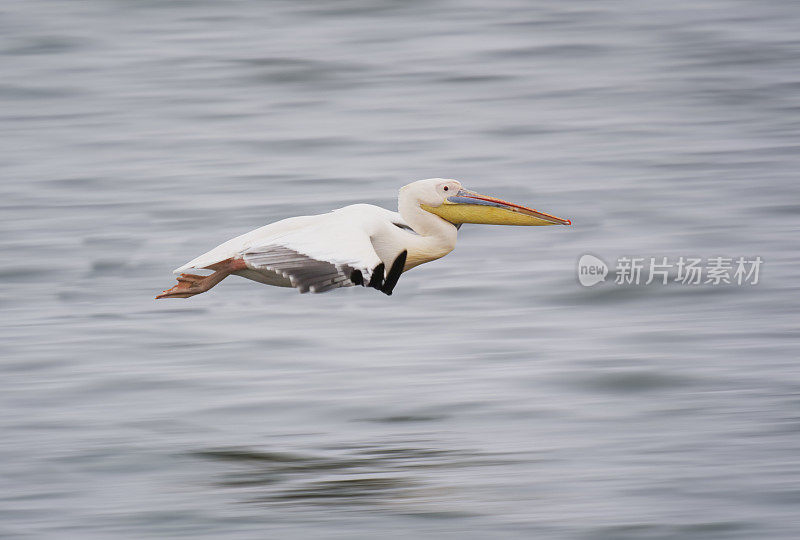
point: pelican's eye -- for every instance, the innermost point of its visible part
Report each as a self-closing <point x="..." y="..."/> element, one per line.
<point x="446" y="188"/>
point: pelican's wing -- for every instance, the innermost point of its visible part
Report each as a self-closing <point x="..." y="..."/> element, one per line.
<point x="236" y="246"/>
<point x="334" y="251"/>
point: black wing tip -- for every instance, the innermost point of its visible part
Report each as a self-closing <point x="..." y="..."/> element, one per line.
<point x="394" y="273"/>
<point x="376" y="281"/>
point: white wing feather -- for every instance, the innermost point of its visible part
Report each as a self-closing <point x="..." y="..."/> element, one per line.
<point x="314" y="253"/>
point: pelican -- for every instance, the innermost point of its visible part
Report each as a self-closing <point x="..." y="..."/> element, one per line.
<point x="359" y="244"/>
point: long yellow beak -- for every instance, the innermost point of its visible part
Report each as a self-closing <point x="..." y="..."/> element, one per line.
<point x="470" y="207"/>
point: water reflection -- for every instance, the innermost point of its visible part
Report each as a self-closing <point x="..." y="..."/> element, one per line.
<point x="363" y="475"/>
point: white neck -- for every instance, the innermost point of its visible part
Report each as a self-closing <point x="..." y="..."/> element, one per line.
<point x="436" y="239"/>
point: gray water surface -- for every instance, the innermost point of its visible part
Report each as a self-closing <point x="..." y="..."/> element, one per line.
<point x="492" y="396"/>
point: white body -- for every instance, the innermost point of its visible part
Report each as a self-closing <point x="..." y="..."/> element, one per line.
<point x="360" y="236"/>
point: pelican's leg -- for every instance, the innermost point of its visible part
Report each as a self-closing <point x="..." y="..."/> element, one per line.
<point x="191" y="284"/>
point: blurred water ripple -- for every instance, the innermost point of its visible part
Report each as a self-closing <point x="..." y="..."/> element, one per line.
<point x="492" y="395"/>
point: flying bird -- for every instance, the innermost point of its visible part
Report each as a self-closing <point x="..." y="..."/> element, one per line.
<point x="359" y="244"/>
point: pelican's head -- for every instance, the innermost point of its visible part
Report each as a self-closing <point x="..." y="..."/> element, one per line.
<point x="451" y="202"/>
